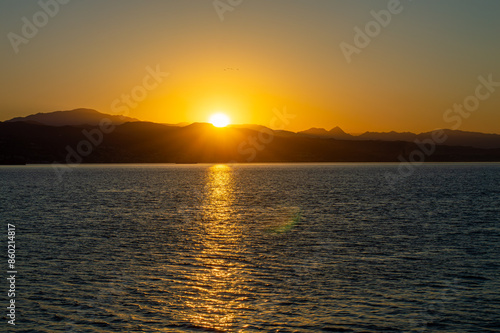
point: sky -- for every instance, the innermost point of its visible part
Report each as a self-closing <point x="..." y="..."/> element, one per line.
<point x="361" y="65"/>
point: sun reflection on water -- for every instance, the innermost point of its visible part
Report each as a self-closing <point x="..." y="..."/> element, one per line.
<point x="219" y="281"/>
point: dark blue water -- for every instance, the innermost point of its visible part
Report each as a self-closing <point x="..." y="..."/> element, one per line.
<point x="273" y="248"/>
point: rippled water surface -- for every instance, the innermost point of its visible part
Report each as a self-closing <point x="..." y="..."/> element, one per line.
<point x="273" y="248"/>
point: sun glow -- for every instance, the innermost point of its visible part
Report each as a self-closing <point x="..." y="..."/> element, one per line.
<point x="219" y="120"/>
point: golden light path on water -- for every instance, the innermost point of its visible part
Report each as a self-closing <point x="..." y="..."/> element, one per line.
<point x="220" y="278"/>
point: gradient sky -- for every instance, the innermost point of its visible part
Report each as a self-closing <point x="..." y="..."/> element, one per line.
<point x="265" y="54"/>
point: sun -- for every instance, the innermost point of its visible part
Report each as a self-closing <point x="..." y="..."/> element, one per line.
<point x="219" y="120"/>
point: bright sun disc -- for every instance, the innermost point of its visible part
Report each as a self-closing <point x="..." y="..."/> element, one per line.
<point x="219" y="120"/>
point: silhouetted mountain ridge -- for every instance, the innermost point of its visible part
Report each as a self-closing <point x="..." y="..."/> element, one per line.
<point x="146" y="142"/>
<point x="143" y="142"/>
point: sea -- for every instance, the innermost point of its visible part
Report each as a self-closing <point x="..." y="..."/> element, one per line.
<point x="252" y="248"/>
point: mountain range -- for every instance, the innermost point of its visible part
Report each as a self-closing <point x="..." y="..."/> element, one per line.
<point x="82" y="136"/>
<point x="455" y="137"/>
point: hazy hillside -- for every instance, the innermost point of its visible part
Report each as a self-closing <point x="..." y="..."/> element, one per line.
<point x="75" y="117"/>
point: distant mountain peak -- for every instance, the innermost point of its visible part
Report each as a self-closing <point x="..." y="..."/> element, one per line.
<point x="337" y="130"/>
<point x="315" y="131"/>
<point x="334" y="133"/>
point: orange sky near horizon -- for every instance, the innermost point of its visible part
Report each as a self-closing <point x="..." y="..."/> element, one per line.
<point x="265" y="55"/>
